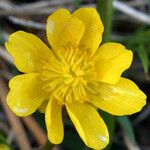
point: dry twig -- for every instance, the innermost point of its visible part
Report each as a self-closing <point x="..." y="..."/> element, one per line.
<point x="27" y="23"/>
<point x="36" y="130"/>
<point x="30" y="122"/>
<point x="14" y="121"/>
<point x="140" y="16"/>
<point x="5" y="55"/>
<point x="44" y="7"/>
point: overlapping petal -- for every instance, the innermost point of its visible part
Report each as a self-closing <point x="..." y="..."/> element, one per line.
<point x="93" y="28"/>
<point x="110" y="61"/>
<point x="55" y="23"/>
<point x="81" y="30"/>
<point x="26" y="94"/>
<point x="89" y="125"/>
<point x="28" y="51"/>
<point x="123" y="98"/>
<point x="71" y="33"/>
<point x="54" y="124"/>
<point x="63" y="29"/>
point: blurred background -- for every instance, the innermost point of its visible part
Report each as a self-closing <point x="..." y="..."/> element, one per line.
<point x="125" y="21"/>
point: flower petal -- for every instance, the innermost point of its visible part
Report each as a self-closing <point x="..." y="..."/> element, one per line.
<point x="93" y="28"/>
<point x="89" y="125"/>
<point x="26" y="49"/>
<point x="54" y="124"/>
<point x="25" y="94"/>
<point x="123" y="98"/>
<point x="63" y="29"/>
<point x="55" y="23"/>
<point x="111" y="60"/>
<point x="71" y="32"/>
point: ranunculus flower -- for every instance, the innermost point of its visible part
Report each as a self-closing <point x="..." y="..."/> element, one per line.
<point x="74" y="73"/>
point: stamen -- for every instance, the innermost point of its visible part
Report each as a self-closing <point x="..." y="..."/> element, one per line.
<point x="46" y="75"/>
<point x="73" y="57"/>
<point x="75" y="93"/>
<point x="60" y="95"/>
<point x="91" y="90"/>
<point x="69" y="96"/>
<point x="82" y="91"/>
<point x="81" y="58"/>
<point x="70" y="54"/>
<point x="70" y="78"/>
<point x="88" y="66"/>
<point x="93" y="82"/>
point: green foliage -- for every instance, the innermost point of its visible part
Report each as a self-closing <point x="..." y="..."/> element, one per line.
<point x="143" y="55"/>
<point x="110" y="122"/>
<point x="126" y="125"/>
<point x="105" y="10"/>
<point x="139" y="43"/>
<point x="3" y="143"/>
<point x="72" y="141"/>
<point x="77" y="3"/>
<point x="142" y="36"/>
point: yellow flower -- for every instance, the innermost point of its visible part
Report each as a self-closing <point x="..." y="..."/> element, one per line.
<point x="75" y="73"/>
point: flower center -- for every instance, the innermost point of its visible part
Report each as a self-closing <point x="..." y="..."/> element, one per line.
<point x="69" y="79"/>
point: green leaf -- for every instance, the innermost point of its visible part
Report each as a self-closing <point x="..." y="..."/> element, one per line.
<point x="110" y="122"/>
<point x="3" y="143"/>
<point x="143" y="54"/>
<point x="77" y="3"/>
<point x="105" y="9"/>
<point x="126" y="125"/>
<point x="139" y="37"/>
<point x="72" y="141"/>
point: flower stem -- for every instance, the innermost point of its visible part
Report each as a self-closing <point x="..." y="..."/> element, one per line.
<point x="77" y="3"/>
<point x="105" y="10"/>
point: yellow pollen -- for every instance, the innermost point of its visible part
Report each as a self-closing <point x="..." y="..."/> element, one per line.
<point x="70" y="79"/>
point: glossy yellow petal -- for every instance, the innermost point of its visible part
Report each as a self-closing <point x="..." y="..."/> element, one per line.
<point x="111" y="60"/>
<point x="54" y="124"/>
<point x="26" y="94"/>
<point x="55" y="23"/>
<point x="93" y="28"/>
<point x="43" y="106"/>
<point x="123" y="98"/>
<point x="71" y="33"/>
<point x="63" y="29"/>
<point x="28" y="51"/>
<point x="89" y="125"/>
